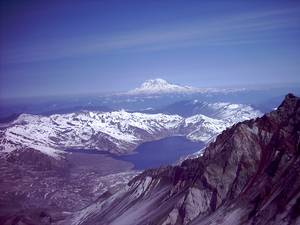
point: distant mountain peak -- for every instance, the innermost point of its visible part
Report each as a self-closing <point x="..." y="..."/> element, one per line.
<point x="160" y="86"/>
<point x="157" y="81"/>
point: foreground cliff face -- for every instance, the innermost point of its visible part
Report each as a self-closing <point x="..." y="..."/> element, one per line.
<point x="249" y="175"/>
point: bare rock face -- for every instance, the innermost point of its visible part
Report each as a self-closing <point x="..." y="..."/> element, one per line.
<point x="38" y="189"/>
<point x="249" y="175"/>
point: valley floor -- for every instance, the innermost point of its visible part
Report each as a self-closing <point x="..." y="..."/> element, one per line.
<point x="52" y="189"/>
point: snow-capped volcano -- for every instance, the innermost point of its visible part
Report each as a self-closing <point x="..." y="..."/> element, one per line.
<point x="159" y="86"/>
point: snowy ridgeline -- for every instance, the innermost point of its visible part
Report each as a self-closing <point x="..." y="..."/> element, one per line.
<point x="117" y="132"/>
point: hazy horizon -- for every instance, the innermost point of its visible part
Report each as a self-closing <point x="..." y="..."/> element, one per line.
<point x="248" y="87"/>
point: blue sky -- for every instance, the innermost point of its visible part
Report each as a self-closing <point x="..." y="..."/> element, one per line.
<point x="65" y="47"/>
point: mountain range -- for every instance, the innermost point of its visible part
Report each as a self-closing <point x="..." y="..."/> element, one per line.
<point x="65" y="162"/>
<point x="117" y="132"/>
<point x="52" y="165"/>
<point x="249" y="175"/>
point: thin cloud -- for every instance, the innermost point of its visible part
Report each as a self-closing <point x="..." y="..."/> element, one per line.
<point x="242" y="29"/>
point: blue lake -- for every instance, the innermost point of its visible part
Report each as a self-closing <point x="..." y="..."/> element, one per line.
<point x="161" y="152"/>
<point x="151" y="154"/>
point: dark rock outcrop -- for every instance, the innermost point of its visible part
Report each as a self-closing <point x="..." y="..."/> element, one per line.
<point x="249" y="175"/>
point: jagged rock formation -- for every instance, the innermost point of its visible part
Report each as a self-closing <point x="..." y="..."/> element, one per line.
<point x="249" y="175"/>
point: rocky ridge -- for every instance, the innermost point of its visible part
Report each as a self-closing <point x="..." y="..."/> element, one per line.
<point x="249" y="175"/>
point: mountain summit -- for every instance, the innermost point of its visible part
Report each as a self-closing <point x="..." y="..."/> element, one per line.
<point x="159" y="86"/>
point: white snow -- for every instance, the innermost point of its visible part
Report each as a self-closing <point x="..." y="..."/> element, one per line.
<point x="161" y="86"/>
<point x="84" y="130"/>
<point x="123" y="130"/>
<point x="204" y="128"/>
<point x="233" y="113"/>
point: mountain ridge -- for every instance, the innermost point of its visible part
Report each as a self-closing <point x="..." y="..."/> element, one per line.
<point x="118" y="132"/>
<point x="249" y="175"/>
